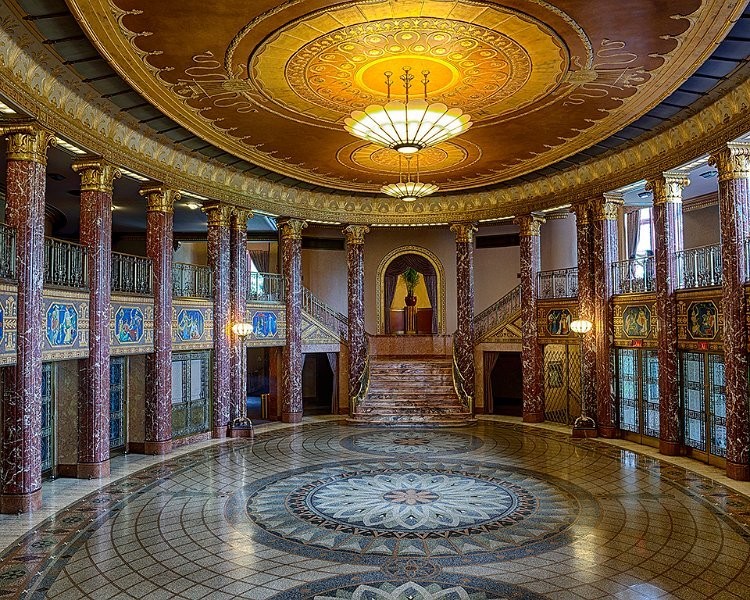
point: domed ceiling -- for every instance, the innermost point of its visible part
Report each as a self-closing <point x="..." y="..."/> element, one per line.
<point x="272" y="82"/>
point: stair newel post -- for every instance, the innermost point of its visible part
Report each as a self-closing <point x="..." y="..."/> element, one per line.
<point x="357" y="336"/>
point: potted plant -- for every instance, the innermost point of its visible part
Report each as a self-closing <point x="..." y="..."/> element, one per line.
<point x="411" y="279"/>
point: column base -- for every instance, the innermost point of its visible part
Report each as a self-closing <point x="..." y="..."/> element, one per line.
<point x="738" y="471"/>
<point x="533" y="417"/>
<point x="295" y="417"/>
<point x="93" y="470"/>
<point x="13" y="504"/>
<point x="219" y="433"/>
<point x="608" y="431"/>
<point x="240" y="431"/>
<point x="585" y="432"/>
<point x="157" y="448"/>
<point x="669" y="448"/>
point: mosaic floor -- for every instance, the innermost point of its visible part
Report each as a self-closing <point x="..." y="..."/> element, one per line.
<point x="328" y="511"/>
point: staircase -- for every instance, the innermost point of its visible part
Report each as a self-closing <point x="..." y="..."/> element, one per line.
<point x="411" y="390"/>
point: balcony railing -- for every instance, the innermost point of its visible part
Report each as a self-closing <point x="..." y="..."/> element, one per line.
<point x="323" y="313"/>
<point x="699" y="267"/>
<point x="497" y="314"/>
<point x="7" y="252"/>
<point x="65" y="264"/>
<point x="633" y="276"/>
<point x="131" y="274"/>
<point x="265" y="287"/>
<point x="191" y="281"/>
<point x="560" y="283"/>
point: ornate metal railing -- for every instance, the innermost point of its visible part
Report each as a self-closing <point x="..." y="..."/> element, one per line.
<point x="699" y="267"/>
<point x="459" y="383"/>
<point x="265" y="287"/>
<point x="65" y="264"/>
<point x="191" y="281"/>
<point x="323" y="313"/>
<point x="497" y="314"/>
<point x="7" y="252"/>
<point x="633" y="276"/>
<point x="559" y="283"/>
<point x="131" y="274"/>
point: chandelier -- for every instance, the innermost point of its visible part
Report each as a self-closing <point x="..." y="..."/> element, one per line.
<point x="407" y="126"/>
<point x="407" y="189"/>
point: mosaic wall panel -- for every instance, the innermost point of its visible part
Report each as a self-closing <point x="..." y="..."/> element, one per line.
<point x="635" y="321"/>
<point x="66" y="325"/>
<point x="192" y="325"/>
<point x="554" y="318"/>
<point x="700" y="321"/>
<point x="269" y="324"/>
<point x="131" y="327"/>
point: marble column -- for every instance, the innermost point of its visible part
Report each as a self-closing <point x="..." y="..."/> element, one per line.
<point x="97" y="178"/>
<point x="733" y="164"/>
<point x="291" y="369"/>
<point x="219" y="216"/>
<point x="355" y="264"/>
<point x="158" y="412"/>
<point x="238" y="289"/>
<point x="531" y="352"/>
<point x="21" y="489"/>
<point x="464" y="337"/>
<point x="605" y="253"/>
<point x="667" y="215"/>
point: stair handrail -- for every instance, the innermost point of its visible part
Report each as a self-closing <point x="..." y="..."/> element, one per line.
<point x="459" y="382"/>
<point x="497" y="314"/>
<point x="325" y="314"/>
<point x="362" y="385"/>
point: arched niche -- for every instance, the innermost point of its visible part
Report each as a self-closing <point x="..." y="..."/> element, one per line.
<point x="422" y="260"/>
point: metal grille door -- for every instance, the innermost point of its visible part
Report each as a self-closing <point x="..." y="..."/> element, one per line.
<point x="191" y="393"/>
<point x="48" y="418"/>
<point x="704" y="407"/>
<point x="562" y="383"/>
<point x="638" y="391"/>
<point x="117" y="403"/>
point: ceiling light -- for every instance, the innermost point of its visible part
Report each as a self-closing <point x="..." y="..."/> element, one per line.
<point x="193" y="205"/>
<point x="709" y="174"/>
<point x="407" y="189"/>
<point x="132" y="175"/>
<point x="192" y="195"/>
<point x="407" y="126"/>
<point x="644" y="194"/>
<point x="70" y="147"/>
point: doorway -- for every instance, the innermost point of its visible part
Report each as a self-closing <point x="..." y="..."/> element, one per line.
<point x="317" y="385"/>
<point x="638" y="395"/>
<point x="258" y="383"/>
<point x="503" y="383"/>
<point x="562" y="383"/>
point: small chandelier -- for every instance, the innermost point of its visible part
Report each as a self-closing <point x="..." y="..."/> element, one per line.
<point x="406" y="189"/>
<point x="407" y="126"/>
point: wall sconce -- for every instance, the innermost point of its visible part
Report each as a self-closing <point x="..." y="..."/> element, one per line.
<point x="242" y="329"/>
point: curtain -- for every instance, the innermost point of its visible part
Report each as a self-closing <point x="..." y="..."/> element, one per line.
<point x="633" y="225"/>
<point x="333" y="361"/>
<point x="490" y="360"/>
<point x="260" y="259"/>
<point x="393" y="272"/>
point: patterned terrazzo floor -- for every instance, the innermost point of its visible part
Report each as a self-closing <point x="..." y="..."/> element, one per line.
<point x="498" y="510"/>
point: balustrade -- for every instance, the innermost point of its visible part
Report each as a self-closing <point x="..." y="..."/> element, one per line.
<point x="323" y="313"/>
<point x="699" y="267"/>
<point x="131" y="274"/>
<point x="265" y="287"/>
<point x="191" y="281"/>
<point x="633" y="276"/>
<point x="65" y="264"/>
<point x="497" y="314"/>
<point x="559" y="283"/>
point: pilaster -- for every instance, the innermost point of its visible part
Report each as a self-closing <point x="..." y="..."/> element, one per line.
<point x="355" y="264"/>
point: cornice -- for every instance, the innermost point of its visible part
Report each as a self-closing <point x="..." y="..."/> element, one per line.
<point x="33" y="79"/>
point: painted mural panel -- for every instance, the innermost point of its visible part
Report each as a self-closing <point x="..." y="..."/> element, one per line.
<point x="703" y="318"/>
<point x="265" y="324"/>
<point x="129" y="325"/>
<point x="190" y="325"/>
<point x="558" y="322"/>
<point x="636" y="321"/>
<point x="636" y="325"/>
<point x="65" y="322"/>
<point x="62" y="324"/>
<point x="272" y="334"/>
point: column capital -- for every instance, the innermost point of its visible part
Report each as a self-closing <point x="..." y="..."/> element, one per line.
<point x="218" y="213"/>
<point x="240" y="217"/>
<point x="582" y="211"/>
<point x="97" y="175"/>
<point x="464" y="231"/>
<point x="159" y="198"/>
<point x="608" y="209"/>
<point x="732" y="161"/>
<point x="530" y="225"/>
<point x="667" y="187"/>
<point x="27" y="140"/>
<point x="355" y="234"/>
<point x="291" y="228"/>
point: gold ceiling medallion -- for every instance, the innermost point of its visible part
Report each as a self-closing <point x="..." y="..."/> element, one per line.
<point x="410" y="125"/>
<point x="407" y="189"/>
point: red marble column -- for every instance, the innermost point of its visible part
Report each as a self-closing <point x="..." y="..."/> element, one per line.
<point x="733" y="164"/>
<point x="291" y="369"/>
<point x="218" y="259"/>
<point x="464" y="339"/>
<point x="667" y="225"/>
<point x="531" y="352"/>
<point x="21" y="489"/>
<point x="585" y="247"/>
<point x="355" y="263"/>
<point x="97" y="177"/>
<point x="605" y="249"/>
<point x="238" y="285"/>
<point x="158" y="413"/>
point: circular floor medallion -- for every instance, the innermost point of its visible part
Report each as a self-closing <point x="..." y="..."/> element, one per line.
<point x="412" y="441"/>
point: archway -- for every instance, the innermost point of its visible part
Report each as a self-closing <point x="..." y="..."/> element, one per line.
<point x="431" y="288"/>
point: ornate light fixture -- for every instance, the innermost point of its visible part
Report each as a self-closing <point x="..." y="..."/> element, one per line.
<point x="407" y="126"/>
<point x="407" y="189"/>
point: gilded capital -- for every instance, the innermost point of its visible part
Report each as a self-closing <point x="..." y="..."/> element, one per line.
<point x="530" y="225"/>
<point x="240" y="217"/>
<point x="97" y="175"/>
<point x="159" y="198"/>
<point x="582" y="212"/>
<point x="218" y="213"/>
<point x="291" y="228"/>
<point x="464" y="231"/>
<point x="27" y="141"/>
<point x="609" y="208"/>
<point x="668" y="187"/>
<point x="732" y="161"/>
<point x="355" y="234"/>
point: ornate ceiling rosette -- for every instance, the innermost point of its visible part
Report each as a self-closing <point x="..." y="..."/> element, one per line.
<point x="271" y="81"/>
